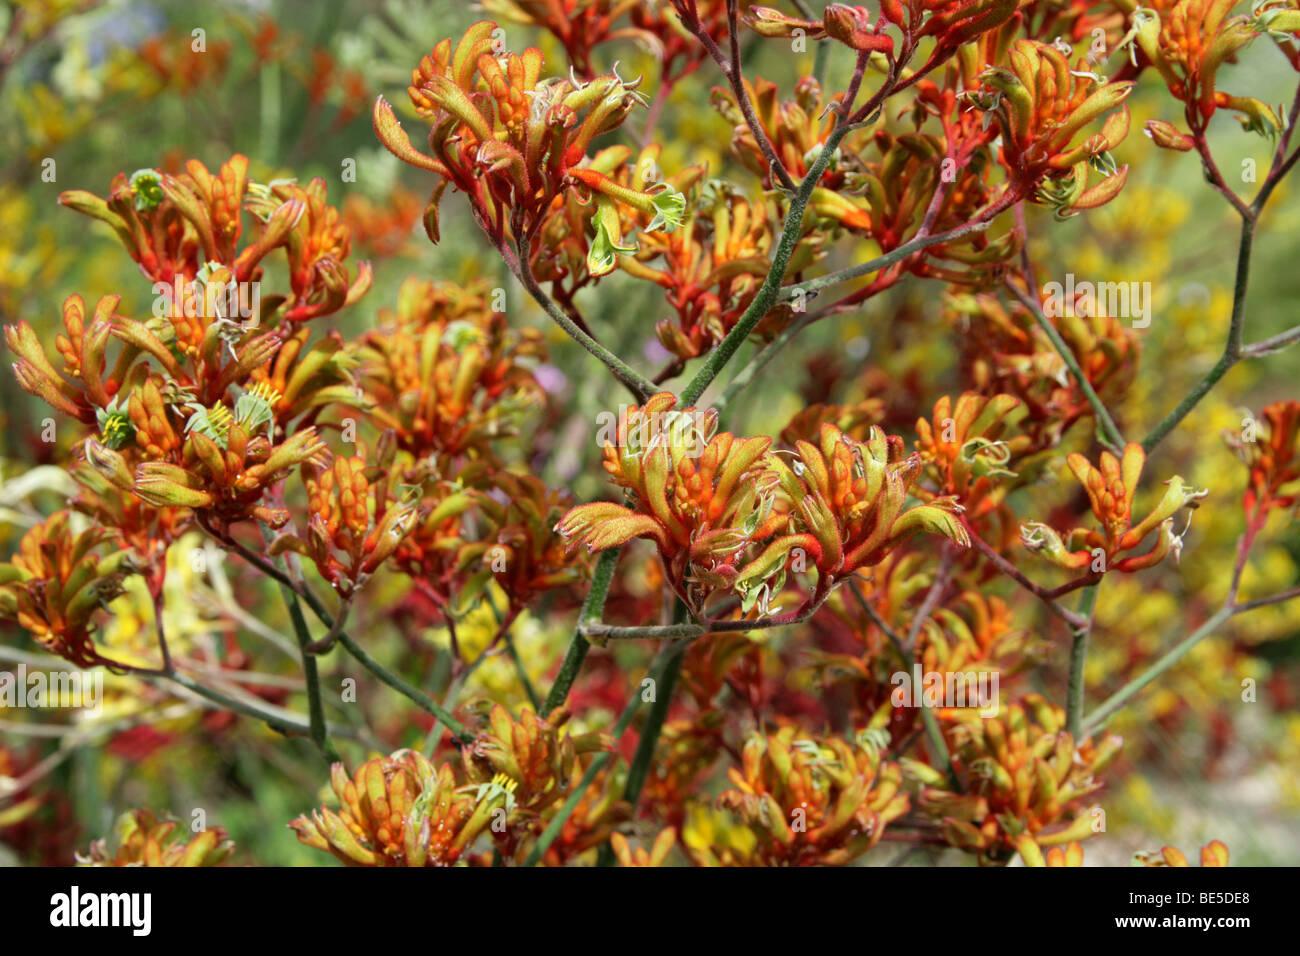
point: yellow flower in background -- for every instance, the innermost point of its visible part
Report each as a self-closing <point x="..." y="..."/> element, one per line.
<point x="715" y="836"/>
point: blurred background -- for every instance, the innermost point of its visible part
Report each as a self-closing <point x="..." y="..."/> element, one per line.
<point x="89" y="90"/>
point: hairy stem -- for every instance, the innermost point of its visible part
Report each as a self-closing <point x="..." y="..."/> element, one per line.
<point x="770" y="291"/>
<point x="420" y="699"/>
<point x="1097" y="719"/>
<point x="311" y="674"/>
<point x="731" y="68"/>
<point x="885" y="260"/>
<point x="592" y="608"/>
<point x="1046" y="595"/>
<point x="664" y="686"/>
<point x="1232" y="350"/>
<point x="1078" y="661"/>
<point x="639" y="385"/>
<point x="1114" y="437"/>
<point x="933" y="733"/>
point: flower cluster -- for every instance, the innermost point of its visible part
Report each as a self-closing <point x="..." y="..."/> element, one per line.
<point x="1270" y="448"/>
<point x="58" y="580"/>
<point x="445" y="372"/>
<point x="515" y="143"/>
<point x="1111" y="490"/>
<point x="858" y="531"/>
<point x="730" y="516"/>
<point x="808" y="801"/>
<point x="145" y="840"/>
<point x="1041" y="106"/>
<point x="1188" y="46"/>
<point x="187" y="226"/>
<point x="1025" y="774"/>
<point x="403" y="810"/>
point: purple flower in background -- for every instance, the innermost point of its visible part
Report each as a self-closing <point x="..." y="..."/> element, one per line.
<point x="552" y="380"/>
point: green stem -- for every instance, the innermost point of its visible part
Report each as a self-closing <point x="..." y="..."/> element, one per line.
<point x="769" y="352"/>
<point x="598" y="764"/>
<point x="310" y="668"/>
<point x="640" y="386"/>
<point x="608" y="632"/>
<point x="820" y="58"/>
<point x="933" y="733"/>
<point x="654" y="725"/>
<point x="1232" y="351"/>
<point x="301" y="589"/>
<point x="285" y="724"/>
<point x="422" y="700"/>
<point x="883" y="261"/>
<point x="529" y="689"/>
<point x="1103" y="713"/>
<point x="269" y="112"/>
<point x="311" y="674"/>
<point x="1078" y="661"/>
<point x="757" y="363"/>
<point x="1113" y="435"/>
<point x="645" y="748"/>
<point x="770" y="291"/>
<point x="592" y="608"/>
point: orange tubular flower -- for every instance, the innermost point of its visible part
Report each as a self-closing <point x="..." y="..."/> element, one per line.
<point x="952" y="23"/>
<point x="689" y="747"/>
<point x="218" y="463"/>
<point x="168" y="56"/>
<point x="850" y="496"/>
<point x="1041" y="106"/>
<point x="57" y="581"/>
<point x="83" y="356"/>
<point x="303" y="381"/>
<point x="702" y="498"/>
<point x="591" y="823"/>
<point x="982" y="636"/>
<point x="773" y="23"/>
<point x="810" y="802"/>
<point x="343" y="539"/>
<point x="514" y="143"/>
<point x="1188" y="45"/>
<point x="521" y="550"/>
<point x="533" y="762"/>
<point x="711" y="269"/>
<point x="399" y="811"/>
<point x="655" y="856"/>
<point x="963" y="447"/>
<point x="900" y="187"/>
<point x="1272" y="452"/>
<point x="1007" y="351"/>
<point x="1111" y="490"/>
<point x="1214" y="853"/>
<point x="144" y="840"/>
<point x="1025" y="775"/>
<point x="579" y="25"/>
<point x="797" y="129"/>
<point x="175" y="226"/>
<point x="850" y="25"/>
<point x="1069" y="856"/>
<point x="445" y="373"/>
<point x="711" y="505"/>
